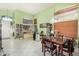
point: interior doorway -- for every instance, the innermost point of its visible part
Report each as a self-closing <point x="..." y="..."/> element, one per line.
<point x="27" y="28"/>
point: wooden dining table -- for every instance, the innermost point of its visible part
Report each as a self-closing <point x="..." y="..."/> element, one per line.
<point x="58" y="42"/>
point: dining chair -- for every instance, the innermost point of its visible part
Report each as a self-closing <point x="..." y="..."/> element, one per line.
<point x="48" y="47"/>
<point x="68" y="46"/>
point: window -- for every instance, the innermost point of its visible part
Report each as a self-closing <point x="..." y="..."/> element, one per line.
<point x="7" y="18"/>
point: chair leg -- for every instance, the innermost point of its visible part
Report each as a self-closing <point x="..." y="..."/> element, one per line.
<point x="44" y="51"/>
<point x="42" y="47"/>
<point x="56" y="52"/>
<point x="51" y="52"/>
<point x="70" y="54"/>
<point x="59" y="51"/>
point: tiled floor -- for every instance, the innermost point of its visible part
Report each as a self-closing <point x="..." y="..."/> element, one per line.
<point x="16" y="47"/>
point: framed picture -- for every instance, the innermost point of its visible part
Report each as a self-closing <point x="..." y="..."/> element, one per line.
<point x="26" y="21"/>
<point x="35" y="21"/>
<point x="44" y="25"/>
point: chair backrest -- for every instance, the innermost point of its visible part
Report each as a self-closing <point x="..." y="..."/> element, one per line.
<point x="60" y="37"/>
<point x="69" y="44"/>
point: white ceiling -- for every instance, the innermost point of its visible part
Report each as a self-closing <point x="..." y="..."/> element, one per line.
<point x="32" y="8"/>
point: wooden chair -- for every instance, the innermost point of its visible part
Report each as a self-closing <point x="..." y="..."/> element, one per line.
<point x="48" y="46"/>
<point x="68" y="46"/>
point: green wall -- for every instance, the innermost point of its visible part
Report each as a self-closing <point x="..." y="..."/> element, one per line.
<point x="59" y="6"/>
<point x="19" y="15"/>
<point x="44" y="17"/>
<point x="16" y="14"/>
<point x="6" y="13"/>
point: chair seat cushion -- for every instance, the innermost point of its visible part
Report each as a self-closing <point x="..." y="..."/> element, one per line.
<point x="50" y="46"/>
<point x="66" y="46"/>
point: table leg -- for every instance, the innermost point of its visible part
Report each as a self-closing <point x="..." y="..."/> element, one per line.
<point x="42" y="47"/>
<point x="57" y="50"/>
<point x="61" y="50"/>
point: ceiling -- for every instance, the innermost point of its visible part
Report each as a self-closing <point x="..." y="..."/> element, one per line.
<point x="31" y="8"/>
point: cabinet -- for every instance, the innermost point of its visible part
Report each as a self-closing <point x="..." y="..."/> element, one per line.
<point x="19" y="33"/>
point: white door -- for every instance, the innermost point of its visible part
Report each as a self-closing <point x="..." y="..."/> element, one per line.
<point x="6" y="29"/>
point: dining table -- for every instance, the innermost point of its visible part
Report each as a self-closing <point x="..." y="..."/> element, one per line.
<point x="57" y="42"/>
